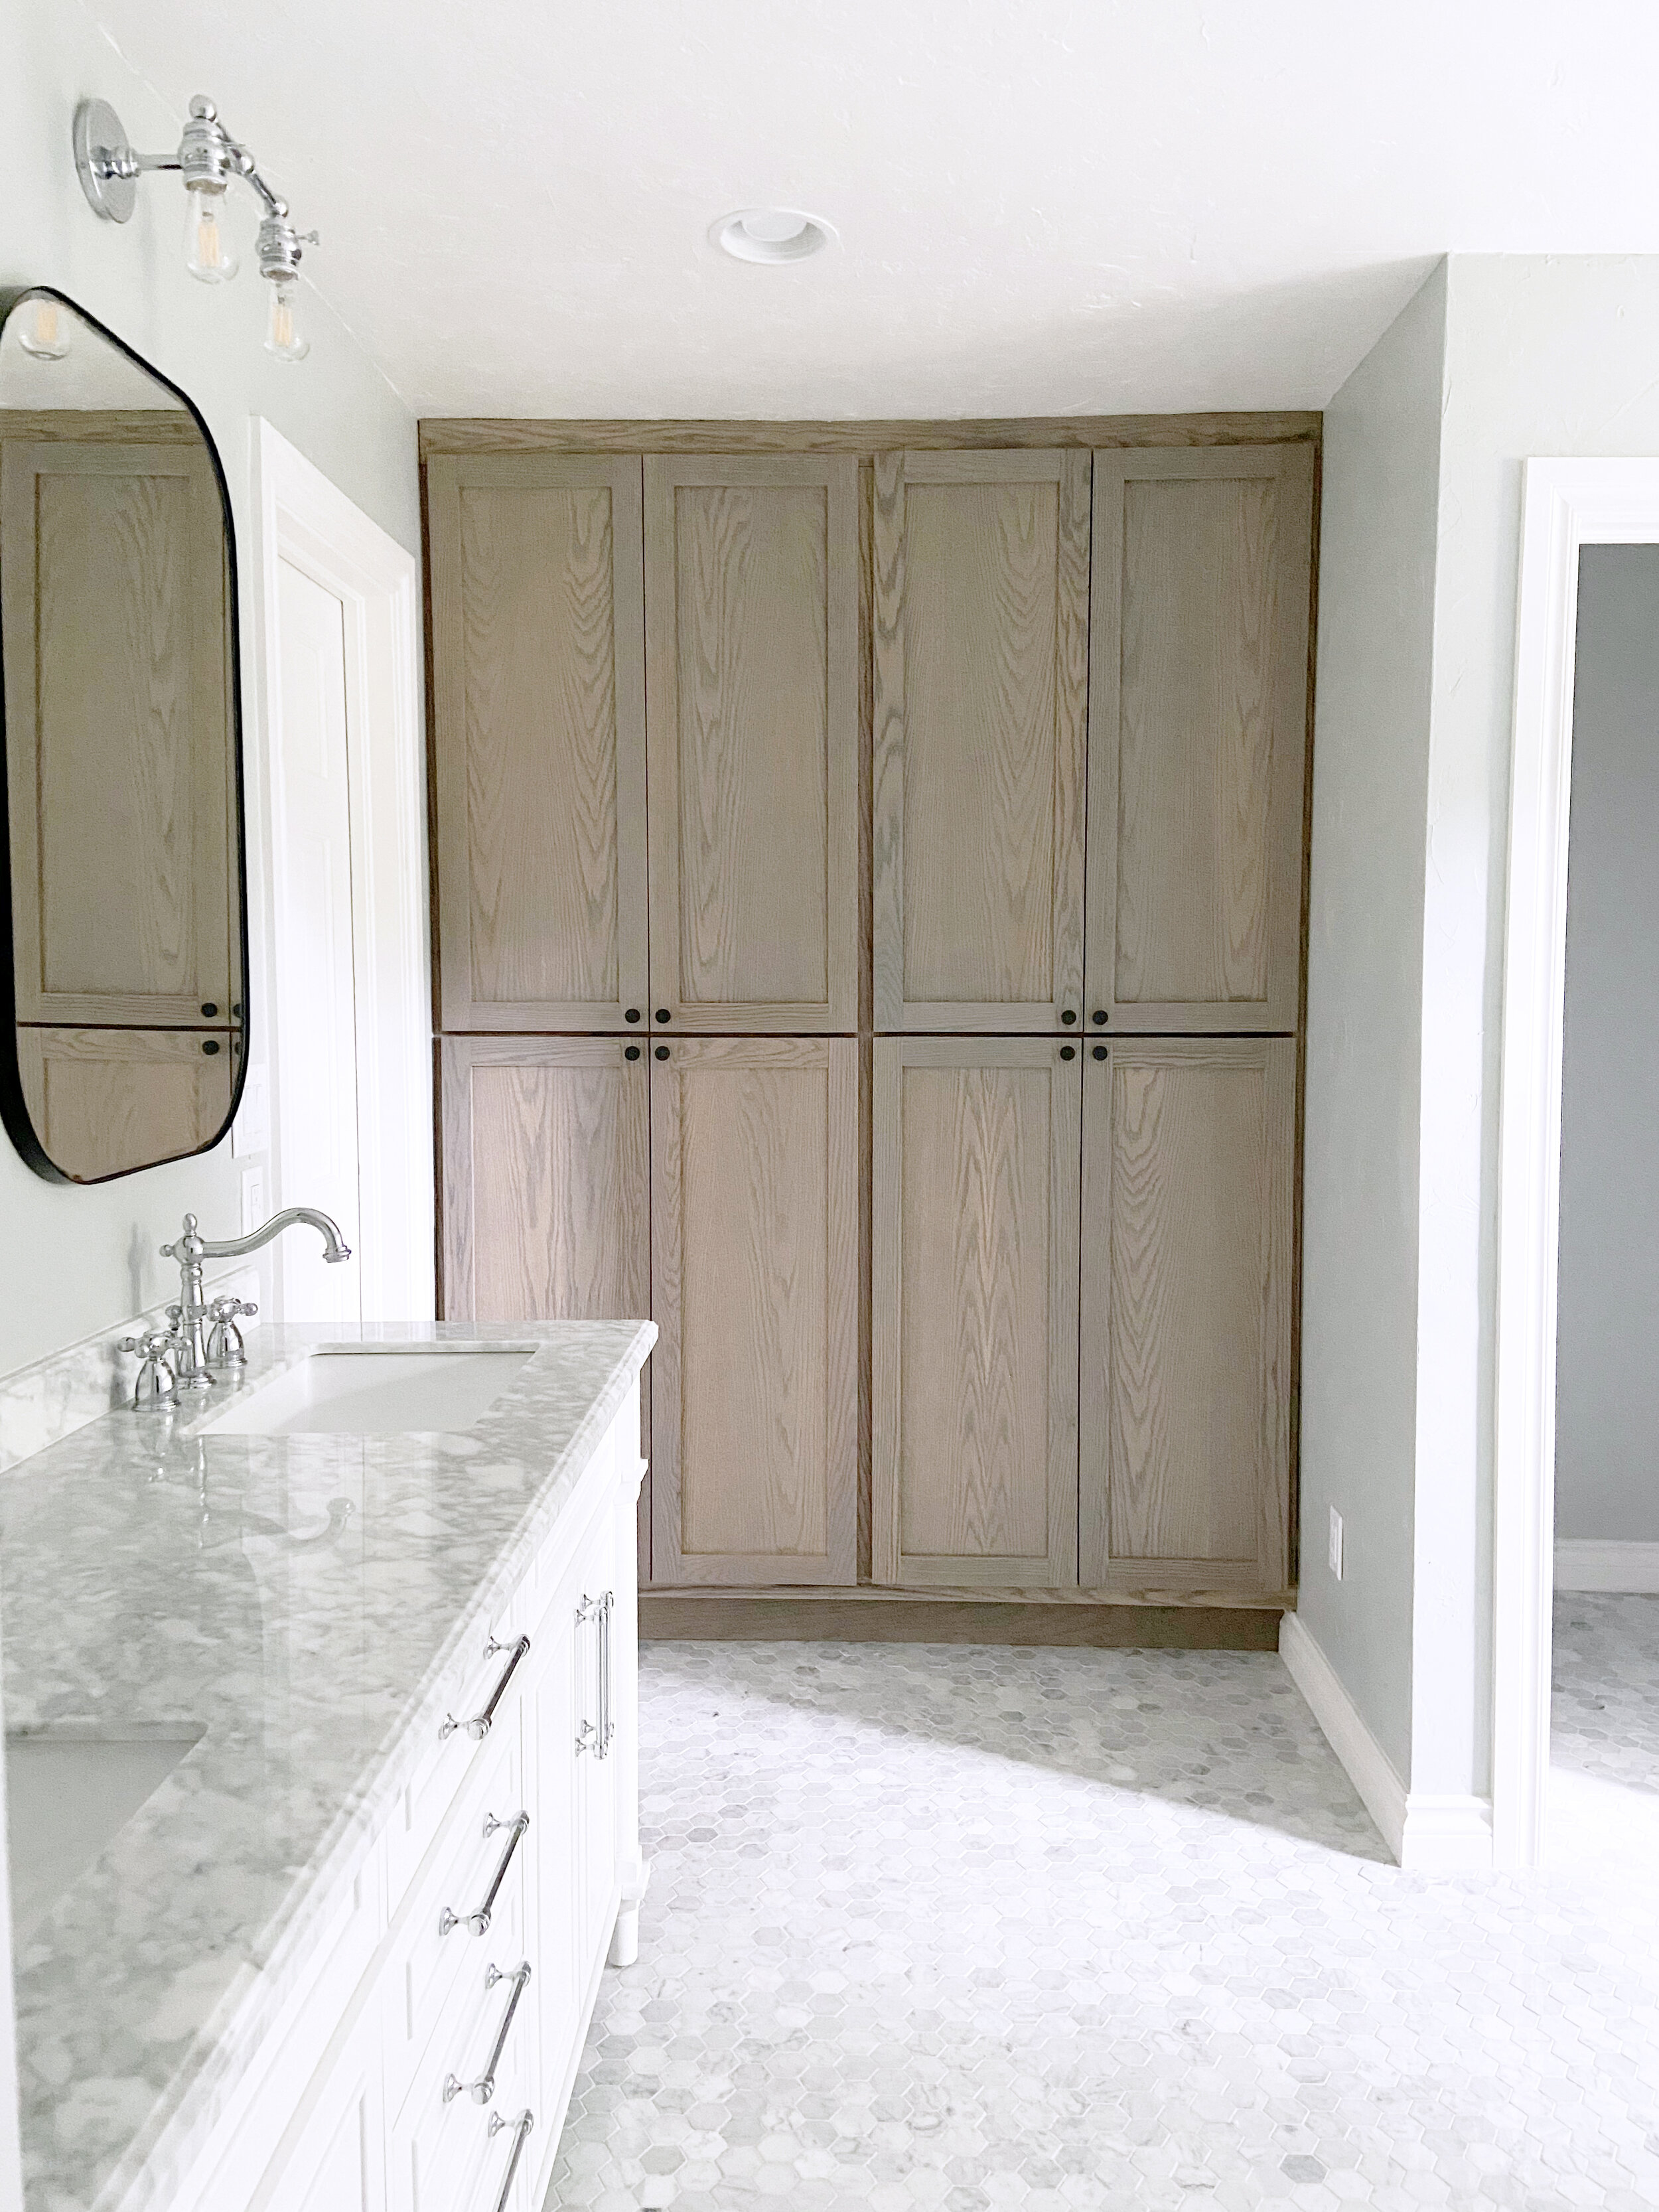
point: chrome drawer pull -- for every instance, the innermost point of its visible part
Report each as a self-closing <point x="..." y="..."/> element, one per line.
<point x="520" y="2128"/>
<point x="595" y="1736"/>
<point x="479" y="1921"/>
<point x="484" y="2088"/>
<point x="478" y="1727"/>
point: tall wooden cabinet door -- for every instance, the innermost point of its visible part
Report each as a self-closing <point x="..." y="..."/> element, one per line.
<point x="1189" y="1178"/>
<point x="754" y="1279"/>
<point x="982" y="592"/>
<point x="752" y="734"/>
<point x="546" y="1152"/>
<point x="538" y="592"/>
<point x="1197" y="737"/>
<point x="117" y="763"/>
<point x="974" y="1302"/>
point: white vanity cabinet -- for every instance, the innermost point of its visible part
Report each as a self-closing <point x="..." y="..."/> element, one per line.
<point x="429" y="2068"/>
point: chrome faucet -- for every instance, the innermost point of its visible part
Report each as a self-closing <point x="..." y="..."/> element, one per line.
<point x="191" y="1318"/>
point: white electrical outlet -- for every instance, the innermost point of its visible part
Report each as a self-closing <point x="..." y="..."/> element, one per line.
<point x="1336" y="1544"/>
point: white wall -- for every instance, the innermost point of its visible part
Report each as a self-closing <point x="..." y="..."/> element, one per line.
<point x="1365" y="970"/>
<point x="77" y="1260"/>
<point x="1542" y="356"/>
<point x="1607" y="1406"/>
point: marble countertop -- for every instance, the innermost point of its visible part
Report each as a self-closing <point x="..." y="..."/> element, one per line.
<point x="156" y="1581"/>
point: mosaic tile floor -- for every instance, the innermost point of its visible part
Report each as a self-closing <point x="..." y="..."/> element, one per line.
<point x="1056" y="1930"/>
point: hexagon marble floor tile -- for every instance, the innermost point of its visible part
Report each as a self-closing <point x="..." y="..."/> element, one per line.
<point x="998" y="1931"/>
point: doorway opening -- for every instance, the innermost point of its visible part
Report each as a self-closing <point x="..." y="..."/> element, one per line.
<point x="1573" y="1442"/>
<point x="339" y="774"/>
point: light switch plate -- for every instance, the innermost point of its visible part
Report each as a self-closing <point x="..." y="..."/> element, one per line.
<point x="1336" y="1544"/>
<point x="251" y="1131"/>
<point x="253" y="1198"/>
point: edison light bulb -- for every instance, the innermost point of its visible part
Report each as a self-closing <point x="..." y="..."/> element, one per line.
<point x="45" y="330"/>
<point x="283" y="335"/>
<point x="209" y="253"/>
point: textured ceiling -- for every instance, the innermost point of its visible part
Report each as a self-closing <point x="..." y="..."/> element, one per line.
<point x="1043" y="207"/>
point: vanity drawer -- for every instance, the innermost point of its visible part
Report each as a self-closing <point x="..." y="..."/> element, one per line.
<point x="439" y="1954"/>
<point x="486" y="1681"/>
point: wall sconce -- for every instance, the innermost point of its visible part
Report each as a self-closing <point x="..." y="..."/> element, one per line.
<point x="208" y="157"/>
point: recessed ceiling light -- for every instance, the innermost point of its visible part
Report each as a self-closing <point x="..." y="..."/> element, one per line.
<point x="770" y="234"/>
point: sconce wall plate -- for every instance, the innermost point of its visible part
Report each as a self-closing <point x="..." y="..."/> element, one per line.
<point x="104" y="162"/>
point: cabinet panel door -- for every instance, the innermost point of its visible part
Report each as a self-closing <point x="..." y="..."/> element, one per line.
<point x="754" y="1266"/>
<point x="981" y="589"/>
<point x="117" y="683"/>
<point x="1189" y="1156"/>
<point x="536" y="578"/>
<point x="974" y="1297"/>
<point x="1197" y="737"/>
<point x="546" y="1147"/>
<point x="753" y="731"/>
<point x="103" y="1102"/>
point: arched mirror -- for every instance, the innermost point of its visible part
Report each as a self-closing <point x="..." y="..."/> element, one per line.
<point x="122" y="1044"/>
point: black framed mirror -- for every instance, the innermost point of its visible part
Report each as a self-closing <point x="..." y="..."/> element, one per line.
<point x="123" y="1018"/>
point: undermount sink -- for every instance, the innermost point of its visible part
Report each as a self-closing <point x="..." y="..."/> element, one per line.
<point x="373" y="1393"/>
<point x="67" y="1797"/>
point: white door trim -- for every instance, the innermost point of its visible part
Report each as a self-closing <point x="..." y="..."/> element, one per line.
<point x="307" y="520"/>
<point x="1567" y="504"/>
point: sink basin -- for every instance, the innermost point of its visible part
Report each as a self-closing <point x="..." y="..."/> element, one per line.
<point x="373" y="1393"/>
<point x="67" y="1797"/>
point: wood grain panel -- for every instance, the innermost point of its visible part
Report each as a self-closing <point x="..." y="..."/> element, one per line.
<point x="1197" y="737"/>
<point x="103" y="1102"/>
<point x="515" y="435"/>
<point x="1188" y="1196"/>
<point x="754" y="1289"/>
<point x="545" y="1197"/>
<point x="536" y="582"/>
<point x="981" y="676"/>
<point x="882" y="1616"/>
<point x="124" y="895"/>
<point x="753" y="653"/>
<point x="975" y="1311"/>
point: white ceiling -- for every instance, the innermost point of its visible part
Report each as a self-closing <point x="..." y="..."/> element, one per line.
<point x="1043" y="207"/>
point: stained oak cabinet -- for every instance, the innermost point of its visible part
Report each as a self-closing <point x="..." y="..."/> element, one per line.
<point x="105" y="1101"/>
<point x="546" y="1187"/>
<point x="981" y="677"/>
<point x="1189" y="1178"/>
<point x="974" y="1350"/>
<point x="754" y="1280"/>
<point x="752" y="734"/>
<point x="1198" y="735"/>
<point x="537" y="567"/>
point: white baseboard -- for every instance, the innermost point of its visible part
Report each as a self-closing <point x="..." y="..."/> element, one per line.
<point x="1586" y="1563"/>
<point x="1427" y="1834"/>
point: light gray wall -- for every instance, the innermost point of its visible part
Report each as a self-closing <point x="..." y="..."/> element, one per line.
<point x="77" y="1260"/>
<point x="1376" y="570"/>
<point x="1607" y="1409"/>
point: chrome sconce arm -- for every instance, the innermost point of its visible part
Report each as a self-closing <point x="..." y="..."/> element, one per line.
<point x="207" y="159"/>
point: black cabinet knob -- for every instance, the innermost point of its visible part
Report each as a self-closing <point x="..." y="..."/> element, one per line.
<point x="662" y="1013"/>
<point x="1068" y="1052"/>
<point x="1069" y="1017"/>
<point x="662" y="1052"/>
<point x="632" y="1015"/>
<point x="210" y="1009"/>
<point x="210" y="1046"/>
<point x="1099" y="1016"/>
<point x="631" y="1052"/>
<point x="1101" y="1052"/>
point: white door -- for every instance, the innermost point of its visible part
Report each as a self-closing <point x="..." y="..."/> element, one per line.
<point x="317" y="1161"/>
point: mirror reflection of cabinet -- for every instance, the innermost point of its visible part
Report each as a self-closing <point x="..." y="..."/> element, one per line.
<point x="116" y="607"/>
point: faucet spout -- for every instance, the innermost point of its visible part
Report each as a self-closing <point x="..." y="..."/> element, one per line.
<point x="335" y="1247"/>
<point x="192" y="1248"/>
